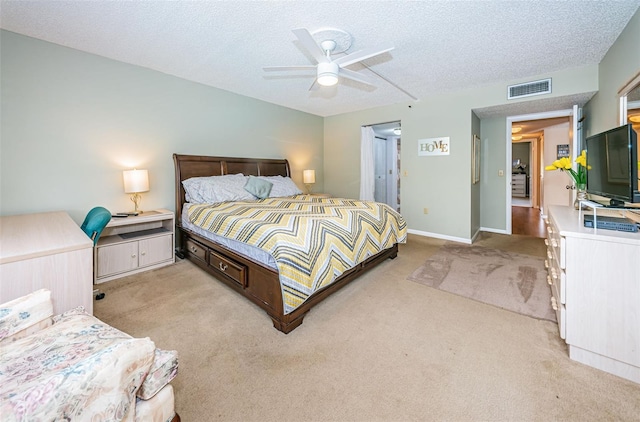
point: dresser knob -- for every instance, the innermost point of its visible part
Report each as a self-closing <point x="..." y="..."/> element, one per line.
<point x="223" y="267"/>
<point x="133" y="255"/>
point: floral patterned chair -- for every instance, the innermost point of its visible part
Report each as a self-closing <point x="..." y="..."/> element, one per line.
<point x="75" y="367"/>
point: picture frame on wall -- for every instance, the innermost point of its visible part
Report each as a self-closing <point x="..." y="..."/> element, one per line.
<point x="475" y="160"/>
<point x="563" y="151"/>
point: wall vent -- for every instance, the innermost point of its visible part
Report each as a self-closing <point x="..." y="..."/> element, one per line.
<point x="528" y="89"/>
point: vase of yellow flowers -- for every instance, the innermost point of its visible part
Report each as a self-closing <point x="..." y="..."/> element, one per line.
<point x="578" y="176"/>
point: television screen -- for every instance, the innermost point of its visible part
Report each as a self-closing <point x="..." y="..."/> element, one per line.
<point x="612" y="164"/>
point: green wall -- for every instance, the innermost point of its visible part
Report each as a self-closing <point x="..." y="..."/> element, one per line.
<point x="494" y="187"/>
<point x="72" y="121"/>
<point x="617" y="68"/>
<point x="457" y="208"/>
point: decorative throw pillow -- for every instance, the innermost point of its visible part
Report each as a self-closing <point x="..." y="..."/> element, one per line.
<point x="258" y="187"/>
<point x="25" y="315"/>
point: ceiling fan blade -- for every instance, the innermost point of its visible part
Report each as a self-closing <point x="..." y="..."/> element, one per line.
<point x="284" y="68"/>
<point x="355" y="76"/>
<point x="310" y="44"/>
<point x="358" y="56"/>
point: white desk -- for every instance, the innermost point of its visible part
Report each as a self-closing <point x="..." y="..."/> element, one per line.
<point x="46" y="250"/>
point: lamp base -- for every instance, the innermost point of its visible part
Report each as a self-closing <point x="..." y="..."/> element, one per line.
<point x="309" y="187"/>
<point x="135" y="198"/>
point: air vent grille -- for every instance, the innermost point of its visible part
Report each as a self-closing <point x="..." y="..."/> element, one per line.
<point x="528" y="89"/>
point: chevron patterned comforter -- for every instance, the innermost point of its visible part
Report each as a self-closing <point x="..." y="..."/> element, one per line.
<point x="313" y="240"/>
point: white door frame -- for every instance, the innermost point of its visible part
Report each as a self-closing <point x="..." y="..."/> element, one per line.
<point x="508" y="163"/>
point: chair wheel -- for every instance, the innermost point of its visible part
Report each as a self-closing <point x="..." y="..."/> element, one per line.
<point x="100" y="296"/>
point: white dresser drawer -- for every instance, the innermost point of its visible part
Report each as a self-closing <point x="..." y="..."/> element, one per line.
<point x="561" y="316"/>
<point x="556" y="242"/>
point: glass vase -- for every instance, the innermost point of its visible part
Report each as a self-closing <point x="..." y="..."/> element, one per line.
<point x="581" y="195"/>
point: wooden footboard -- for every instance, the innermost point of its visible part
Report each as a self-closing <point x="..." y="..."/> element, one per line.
<point x="259" y="283"/>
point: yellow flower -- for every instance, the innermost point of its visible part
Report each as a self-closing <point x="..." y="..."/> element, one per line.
<point x="564" y="164"/>
<point x="582" y="159"/>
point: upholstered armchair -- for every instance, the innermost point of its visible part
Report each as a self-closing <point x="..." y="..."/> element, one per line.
<point x="75" y="367"/>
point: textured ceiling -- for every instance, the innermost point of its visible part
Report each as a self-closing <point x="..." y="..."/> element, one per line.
<point x="440" y="46"/>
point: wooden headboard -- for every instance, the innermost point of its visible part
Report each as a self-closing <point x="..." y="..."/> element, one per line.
<point x="187" y="166"/>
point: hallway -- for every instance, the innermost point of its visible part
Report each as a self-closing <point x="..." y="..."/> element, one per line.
<point x="527" y="221"/>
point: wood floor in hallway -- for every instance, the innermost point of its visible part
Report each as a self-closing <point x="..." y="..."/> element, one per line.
<point x="527" y="221"/>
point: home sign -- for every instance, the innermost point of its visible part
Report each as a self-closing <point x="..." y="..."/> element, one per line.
<point x="433" y="146"/>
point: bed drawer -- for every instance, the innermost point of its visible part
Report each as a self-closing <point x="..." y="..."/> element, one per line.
<point x="197" y="250"/>
<point x="231" y="269"/>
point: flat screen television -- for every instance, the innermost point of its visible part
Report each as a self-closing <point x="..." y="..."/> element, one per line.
<point x="612" y="165"/>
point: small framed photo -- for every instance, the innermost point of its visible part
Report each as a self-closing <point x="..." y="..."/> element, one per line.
<point x="563" y="151"/>
<point x="475" y="163"/>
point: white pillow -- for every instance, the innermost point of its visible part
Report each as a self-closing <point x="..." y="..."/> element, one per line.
<point x="282" y="186"/>
<point x="214" y="189"/>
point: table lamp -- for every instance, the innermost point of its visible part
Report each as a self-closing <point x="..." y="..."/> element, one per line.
<point x="136" y="181"/>
<point x="309" y="178"/>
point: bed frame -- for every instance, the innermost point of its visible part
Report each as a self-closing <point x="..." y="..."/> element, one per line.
<point x="257" y="282"/>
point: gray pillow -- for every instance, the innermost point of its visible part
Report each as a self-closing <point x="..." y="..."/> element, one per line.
<point x="258" y="187"/>
<point x="282" y="186"/>
<point x="216" y="189"/>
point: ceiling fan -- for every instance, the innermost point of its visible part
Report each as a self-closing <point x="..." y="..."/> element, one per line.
<point x="331" y="41"/>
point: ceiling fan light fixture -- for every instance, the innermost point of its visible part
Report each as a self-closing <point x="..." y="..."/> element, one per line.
<point x="328" y="74"/>
<point x="516" y="129"/>
<point x="397" y="131"/>
<point x="635" y="119"/>
<point x="516" y="137"/>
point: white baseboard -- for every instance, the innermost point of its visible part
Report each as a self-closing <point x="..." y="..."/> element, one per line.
<point x="440" y="236"/>
<point x="492" y="230"/>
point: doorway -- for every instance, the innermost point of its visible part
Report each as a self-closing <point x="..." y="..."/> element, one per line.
<point x="386" y="148"/>
<point x="540" y="135"/>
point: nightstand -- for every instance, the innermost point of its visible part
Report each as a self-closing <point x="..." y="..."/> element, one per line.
<point x="134" y="244"/>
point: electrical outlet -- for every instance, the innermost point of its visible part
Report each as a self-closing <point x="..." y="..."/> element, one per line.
<point x="425" y="210"/>
<point x="500" y="173"/>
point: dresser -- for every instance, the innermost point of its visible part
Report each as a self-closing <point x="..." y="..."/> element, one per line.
<point x="46" y="250"/>
<point x="519" y="185"/>
<point x="594" y="276"/>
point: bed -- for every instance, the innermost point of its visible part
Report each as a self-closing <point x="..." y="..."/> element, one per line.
<point x="262" y="275"/>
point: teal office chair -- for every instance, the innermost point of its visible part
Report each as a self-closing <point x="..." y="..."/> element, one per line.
<point x="93" y="225"/>
<point x="95" y="222"/>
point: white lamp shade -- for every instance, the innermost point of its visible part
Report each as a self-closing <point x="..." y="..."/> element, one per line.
<point x="309" y="176"/>
<point x="327" y="74"/>
<point x="135" y="181"/>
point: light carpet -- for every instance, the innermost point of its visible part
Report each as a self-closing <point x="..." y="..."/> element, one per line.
<point x="511" y="281"/>
<point x="380" y="349"/>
